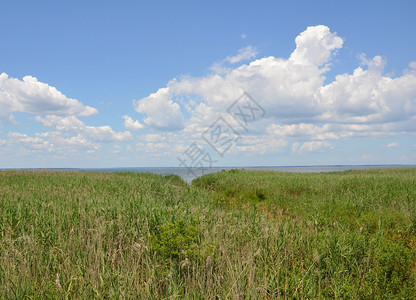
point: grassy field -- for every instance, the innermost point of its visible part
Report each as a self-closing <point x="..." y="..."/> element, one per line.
<point x="230" y="235"/>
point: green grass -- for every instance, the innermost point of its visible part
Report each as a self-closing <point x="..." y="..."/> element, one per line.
<point x="230" y="235"/>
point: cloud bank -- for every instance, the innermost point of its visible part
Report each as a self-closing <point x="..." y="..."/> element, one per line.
<point x="304" y="113"/>
<point x="299" y="105"/>
<point x="32" y="96"/>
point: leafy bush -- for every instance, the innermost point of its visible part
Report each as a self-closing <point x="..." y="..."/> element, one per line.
<point x="261" y="194"/>
<point x="180" y="241"/>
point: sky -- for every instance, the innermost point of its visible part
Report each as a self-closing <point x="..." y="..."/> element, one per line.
<point x="97" y="84"/>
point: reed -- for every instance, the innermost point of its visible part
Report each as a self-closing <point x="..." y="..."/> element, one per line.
<point x="230" y="235"/>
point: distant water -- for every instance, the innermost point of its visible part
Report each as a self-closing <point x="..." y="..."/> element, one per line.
<point x="188" y="176"/>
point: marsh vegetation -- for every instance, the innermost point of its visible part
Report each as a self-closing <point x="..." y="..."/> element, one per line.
<point x="230" y="235"/>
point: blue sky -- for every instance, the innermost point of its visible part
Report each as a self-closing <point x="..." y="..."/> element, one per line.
<point x="130" y="84"/>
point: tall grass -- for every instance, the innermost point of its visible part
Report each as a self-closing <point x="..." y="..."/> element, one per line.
<point x="231" y="235"/>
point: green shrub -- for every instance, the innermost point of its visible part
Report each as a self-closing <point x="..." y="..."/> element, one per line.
<point x="180" y="241"/>
<point x="261" y="194"/>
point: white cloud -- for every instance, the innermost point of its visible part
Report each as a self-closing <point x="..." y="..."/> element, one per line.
<point x="162" y="113"/>
<point x="287" y="88"/>
<point x="106" y="134"/>
<point x="366" y="96"/>
<point x="71" y="136"/>
<point x="152" y="147"/>
<point x="299" y="105"/>
<point x="24" y="138"/>
<point x="71" y="123"/>
<point x="63" y="144"/>
<point x="131" y="124"/>
<point x="30" y="143"/>
<point x="69" y="143"/>
<point x="243" y="54"/>
<point x="301" y="109"/>
<point x="312" y="146"/>
<point x="32" y="96"/>
<point x="335" y="131"/>
<point x="259" y="145"/>
<point x="93" y="133"/>
<point x="315" y="46"/>
<point x="302" y="130"/>
<point x="392" y="145"/>
<point x="153" y="138"/>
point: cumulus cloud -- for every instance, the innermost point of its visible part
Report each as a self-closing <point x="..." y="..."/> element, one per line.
<point x="368" y="96"/>
<point x="312" y="146"/>
<point x="161" y="111"/>
<point x="259" y="145"/>
<point x="287" y="88"/>
<point x="154" y="137"/>
<point x="336" y="131"/>
<point x="54" y="110"/>
<point x="73" y="143"/>
<point x="152" y="147"/>
<point x="299" y="105"/>
<point x="32" y="96"/>
<point x="243" y="54"/>
<point x="131" y="124"/>
<point x="106" y="134"/>
<point x="302" y="130"/>
<point x="72" y="136"/>
<point x="30" y="143"/>
<point x="302" y="110"/>
<point x="392" y="145"/>
<point x="71" y="123"/>
<point x="93" y="133"/>
<point x="315" y="46"/>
